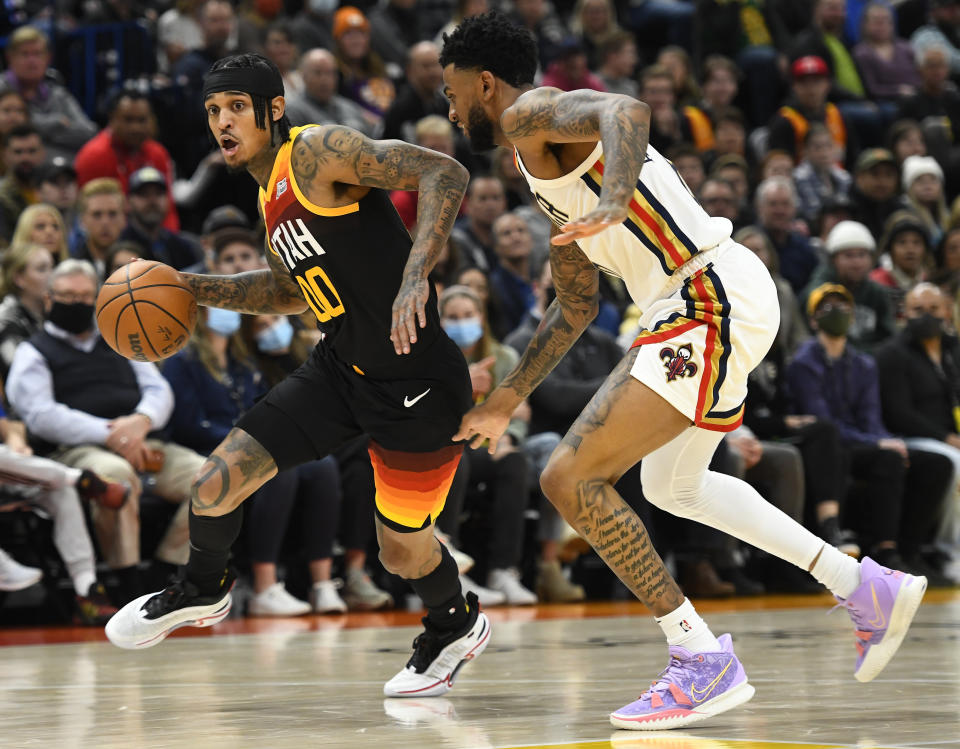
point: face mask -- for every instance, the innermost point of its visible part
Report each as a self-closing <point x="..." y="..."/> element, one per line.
<point x="834" y="322"/>
<point x="323" y="7"/>
<point x="924" y="328"/>
<point x="465" y="332"/>
<point x="226" y="322"/>
<point x="74" y="318"/>
<point x="276" y="338"/>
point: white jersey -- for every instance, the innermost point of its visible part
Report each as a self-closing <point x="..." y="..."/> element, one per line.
<point x="664" y="229"/>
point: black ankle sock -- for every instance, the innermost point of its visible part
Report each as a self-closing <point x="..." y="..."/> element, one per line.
<point x="440" y="593"/>
<point x="210" y="542"/>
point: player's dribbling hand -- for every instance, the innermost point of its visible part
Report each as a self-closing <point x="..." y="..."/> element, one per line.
<point x="592" y="223"/>
<point x="483" y="422"/>
<point x="409" y="308"/>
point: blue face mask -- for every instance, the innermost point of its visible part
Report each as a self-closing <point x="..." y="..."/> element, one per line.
<point x="464" y="332"/>
<point x="226" y="322"/>
<point x="276" y="338"/>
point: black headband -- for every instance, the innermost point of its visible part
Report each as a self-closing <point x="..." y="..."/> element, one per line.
<point x="254" y="81"/>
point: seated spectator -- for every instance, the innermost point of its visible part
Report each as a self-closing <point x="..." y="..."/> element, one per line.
<point x="850" y="247"/>
<point x="920" y="389"/>
<point x="125" y="146"/>
<point x="102" y="213"/>
<point x="903" y="489"/>
<point x="719" y="199"/>
<point x="618" y="64"/>
<point x="13" y="113"/>
<point x="32" y="482"/>
<point x="905" y="258"/>
<point x="216" y="382"/>
<point x="689" y="164"/>
<point x="941" y="31"/>
<point x="42" y="224"/>
<point x="505" y="473"/>
<point x="936" y="105"/>
<point x="818" y="178"/>
<point x="677" y="60"/>
<point x="730" y="138"/>
<point x="777" y="164"/>
<point x="87" y="406"/>
<point x="23" y="154"/>
<point x="421" y="96"/>
<point x="735" y="171"/>
<point x="485" y="202"/>
<point x="594" y="22"/>
<point x="479" y="282"/>
<point x="280" y="47"/>
<point x="876" y="189"/>
<point x="885" y="61"/>
<point x="720" y="86"/>
<point x="832" y="212"/>
<point x="776" y="203"/>
<point x="923" y="184"/>
<point x="510" y="280"/>
<point x="57" y="116"/>
<point x="656" y="90"/>
<point x="568" y="69"/>
<point x="120" y="253"/>
<point x="808" y="104"/>
<point x="148" y="198"/>
<point x="57" y="186"/>
<point x="906" y="139"/>
<point x="26" y="269"/>
<point x="363" y="74"/>
<point x="319" y="103"/>
<point x="394" y="29"/>
<point x="540" y="18"/>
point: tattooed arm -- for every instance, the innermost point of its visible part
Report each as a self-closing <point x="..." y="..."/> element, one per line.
<point x="622" y="124"/>
<point x="256" y="292"/>
<point x="577" y="283"/>
<point x="334" y="154"/>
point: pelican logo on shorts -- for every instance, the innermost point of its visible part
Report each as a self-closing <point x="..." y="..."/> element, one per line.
<point x="677" y="362"/>
<point x="281" y="187"/>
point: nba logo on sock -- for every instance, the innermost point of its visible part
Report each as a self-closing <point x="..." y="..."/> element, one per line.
<point x="685" y="625"/>
<point x="281" y="187"/>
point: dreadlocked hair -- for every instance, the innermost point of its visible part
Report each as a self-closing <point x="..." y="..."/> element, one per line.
<point x="279" y="129"/>
<point x="491" y="42"/>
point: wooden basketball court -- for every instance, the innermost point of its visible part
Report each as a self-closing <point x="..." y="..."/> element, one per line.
<point x="549" y="679"/>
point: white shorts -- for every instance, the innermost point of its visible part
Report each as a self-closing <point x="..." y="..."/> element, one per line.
<point x="712" y="326"/>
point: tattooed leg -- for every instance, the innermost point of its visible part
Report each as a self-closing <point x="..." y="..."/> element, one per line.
<point x="235" y="470"/>
<point x="623" y="422"/>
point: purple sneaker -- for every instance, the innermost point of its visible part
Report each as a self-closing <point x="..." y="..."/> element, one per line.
<point x="882" y="608"/>
<point x="694" y="686"/>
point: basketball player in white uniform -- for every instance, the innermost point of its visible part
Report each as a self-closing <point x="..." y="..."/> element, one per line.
<point x="709" y="314"/>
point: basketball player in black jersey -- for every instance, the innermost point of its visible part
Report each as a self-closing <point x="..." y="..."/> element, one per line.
<point x="385" y="367"/>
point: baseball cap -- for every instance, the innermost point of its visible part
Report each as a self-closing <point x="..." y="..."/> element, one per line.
<point x="808" y="66"/>
<point x="348" y="18"/>
<point x="58" y="166"/>
<point x="850" y="235"/>
<point x="873" y="156"/>
<point x="917" y="166"/>
<point x="225" y="217"/>
<point x="824" y="290"/>
<point x="148" y="175"/>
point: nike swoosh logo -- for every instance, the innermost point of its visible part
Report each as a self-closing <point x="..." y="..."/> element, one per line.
<point x="408" y="401"/>
<point x="710" y="687"/>
<point x="879" y="620"/>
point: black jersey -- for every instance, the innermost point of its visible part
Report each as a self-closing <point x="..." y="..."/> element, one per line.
<point x="349" y="264"/>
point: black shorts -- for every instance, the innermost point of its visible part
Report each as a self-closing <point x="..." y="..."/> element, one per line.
<point x="410" y="419"/>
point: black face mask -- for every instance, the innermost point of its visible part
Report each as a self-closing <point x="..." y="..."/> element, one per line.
<point x="834" y="322"/>
<point x="924" y="328"/>
<point x="74" y="318"/>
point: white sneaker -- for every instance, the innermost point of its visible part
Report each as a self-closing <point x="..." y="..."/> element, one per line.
<point x="485" y="596"/>
<point x="438" y="656"/>
<point x="324" y="598"/>
<point x="507" y="581"/>
<point x="276" y="601"/>
<point x="16" y="576"/>
<point x="361" y="594"/>
<point x="464" y="561"/>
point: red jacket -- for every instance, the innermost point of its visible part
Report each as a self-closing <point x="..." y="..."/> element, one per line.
<point x="101" y="156"/>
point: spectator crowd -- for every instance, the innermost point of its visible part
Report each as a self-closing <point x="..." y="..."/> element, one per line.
<point x="826" y="131"/>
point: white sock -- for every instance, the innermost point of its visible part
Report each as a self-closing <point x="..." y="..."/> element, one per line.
<point x="683" y="626"/>
<point x="839" y="572"/>
<point x="82" y="582"/>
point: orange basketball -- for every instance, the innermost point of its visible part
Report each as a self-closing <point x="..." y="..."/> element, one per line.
<point x="145" y="311"/>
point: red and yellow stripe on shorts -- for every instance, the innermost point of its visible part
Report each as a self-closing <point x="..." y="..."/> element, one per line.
<point x="412" y="487"/>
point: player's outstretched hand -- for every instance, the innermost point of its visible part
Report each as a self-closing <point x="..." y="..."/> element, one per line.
<point x="409" y="308"/>
<point x="592" y="223"/>
<point x="483" y="422"/>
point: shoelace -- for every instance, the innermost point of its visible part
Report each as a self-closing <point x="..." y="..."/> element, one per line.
<point x="425" y="647"/>
<point x="169" y="598"/>
<point x="669" y="675"/>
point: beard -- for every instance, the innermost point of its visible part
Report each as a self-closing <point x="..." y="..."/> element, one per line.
<point x="480" y="130"/>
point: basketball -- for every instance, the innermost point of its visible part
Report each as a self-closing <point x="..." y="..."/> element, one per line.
<point x="145" y="312"/>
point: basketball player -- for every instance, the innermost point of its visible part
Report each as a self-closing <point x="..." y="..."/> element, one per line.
<point x="710" y="313"/>
<point x="336" y="244"/>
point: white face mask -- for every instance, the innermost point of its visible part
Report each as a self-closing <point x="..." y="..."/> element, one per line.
<point x="323" y="7"/>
